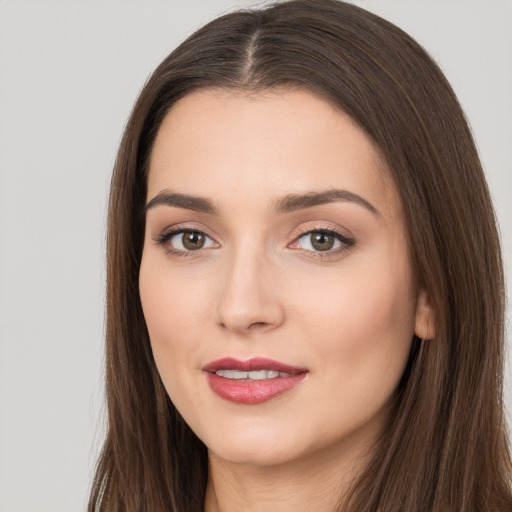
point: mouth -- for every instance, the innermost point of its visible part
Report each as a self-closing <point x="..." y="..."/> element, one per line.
<point x="253" y="381"/>
<point x="254" y="375"/>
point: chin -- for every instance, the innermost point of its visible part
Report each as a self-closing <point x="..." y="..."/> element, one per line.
<point x="258" y="448"/>
<point x="254" y="455"/>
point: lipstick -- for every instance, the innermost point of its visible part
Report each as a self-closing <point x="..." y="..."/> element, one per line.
<point x="253" y="381"/>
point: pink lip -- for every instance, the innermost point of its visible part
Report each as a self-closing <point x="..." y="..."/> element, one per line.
<point x="253" y="364"/>
<point x="256" y="391"/>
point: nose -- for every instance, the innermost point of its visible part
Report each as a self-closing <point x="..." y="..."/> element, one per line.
<point x="249" y="299"/>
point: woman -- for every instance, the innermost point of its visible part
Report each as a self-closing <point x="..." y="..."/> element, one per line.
<point x="305" y="290"/>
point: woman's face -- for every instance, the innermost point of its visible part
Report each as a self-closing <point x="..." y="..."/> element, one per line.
<point x="275" y="278"/>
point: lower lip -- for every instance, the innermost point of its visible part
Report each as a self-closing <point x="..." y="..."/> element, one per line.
<point x="252" y="392"/>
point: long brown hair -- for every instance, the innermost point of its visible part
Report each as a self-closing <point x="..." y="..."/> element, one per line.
<point x="445" y="448"/>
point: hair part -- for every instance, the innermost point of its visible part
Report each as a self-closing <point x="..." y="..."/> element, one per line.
<point x="445" y="448"/>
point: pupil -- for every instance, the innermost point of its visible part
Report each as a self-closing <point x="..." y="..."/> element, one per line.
<point x="193" y="240"/>
<point x="322" y="241"/>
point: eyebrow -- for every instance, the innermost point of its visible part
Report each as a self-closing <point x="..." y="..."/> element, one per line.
<point x="286" y="204"/>
<point x="293" y="202"/>
<point x="188" y="202"/>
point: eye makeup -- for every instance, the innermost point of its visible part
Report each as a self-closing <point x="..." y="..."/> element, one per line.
<point x="318" y="241"/>
<point x="321" y="241"/>
<point x="185" y="241"/>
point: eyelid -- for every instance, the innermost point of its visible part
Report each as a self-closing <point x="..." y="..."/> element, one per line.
<point x="347" y="241"/>
<point x="326" y="228"/>
<point x="168" y="233"/>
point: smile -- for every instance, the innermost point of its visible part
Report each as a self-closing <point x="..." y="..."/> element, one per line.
<point x="254" y="375"/>
<point x="252" y="382"/>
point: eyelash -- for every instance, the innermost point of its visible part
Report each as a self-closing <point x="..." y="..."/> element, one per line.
<point x="166" y="236"/>
<point x="346" y="242"/>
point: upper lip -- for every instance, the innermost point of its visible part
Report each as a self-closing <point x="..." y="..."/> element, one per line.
<point x="253" y="364"/>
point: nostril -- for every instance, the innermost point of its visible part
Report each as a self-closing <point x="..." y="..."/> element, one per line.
<point x="258" y="324"/>
<point x="247" y="327"/>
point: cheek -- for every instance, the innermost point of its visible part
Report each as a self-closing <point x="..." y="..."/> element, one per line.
<point x="175" y="310"/>
<point x="363" y="322"/>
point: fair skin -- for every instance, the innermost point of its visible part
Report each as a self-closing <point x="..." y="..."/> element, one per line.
<point x="324" y="285"/>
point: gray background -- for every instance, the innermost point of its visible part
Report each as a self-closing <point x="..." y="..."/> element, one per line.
<point x="69" y="74"/>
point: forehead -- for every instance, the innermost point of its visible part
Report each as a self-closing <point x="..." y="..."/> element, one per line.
<point x="231" y="144"/>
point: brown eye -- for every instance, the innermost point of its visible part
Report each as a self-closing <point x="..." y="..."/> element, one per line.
<point x="187" y="241"/>
<point x="322" y="241"/>
<point x="193" y="240"/>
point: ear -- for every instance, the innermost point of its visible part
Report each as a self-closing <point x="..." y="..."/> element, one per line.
<point x="424" y="325"/>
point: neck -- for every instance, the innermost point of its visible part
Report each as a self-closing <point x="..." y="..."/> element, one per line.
<point x="301" y="485"/>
